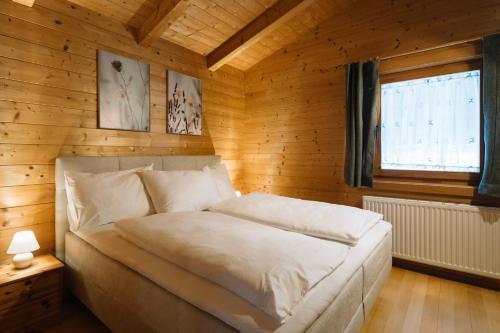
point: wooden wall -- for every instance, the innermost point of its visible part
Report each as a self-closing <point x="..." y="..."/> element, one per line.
<point x="279" y="126"/>
<point x="295" y="130"/>
<point x="48" y="106"/>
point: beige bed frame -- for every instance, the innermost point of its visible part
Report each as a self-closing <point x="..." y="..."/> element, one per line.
<point x="142" y="306"/>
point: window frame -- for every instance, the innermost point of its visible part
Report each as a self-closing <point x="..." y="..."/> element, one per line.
<point x="429" y="71"/>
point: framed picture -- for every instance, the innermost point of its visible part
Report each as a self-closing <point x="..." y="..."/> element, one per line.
<point x="184" y="104"/>
<point x="123" y="93"/>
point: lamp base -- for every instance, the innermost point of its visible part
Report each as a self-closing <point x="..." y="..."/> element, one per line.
<point x="22" y="260"/>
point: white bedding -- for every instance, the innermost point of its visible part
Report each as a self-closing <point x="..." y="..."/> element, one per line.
<point x="270" y="268"/>
<point x="230" y="308"/>
<point x="336" y="222"/>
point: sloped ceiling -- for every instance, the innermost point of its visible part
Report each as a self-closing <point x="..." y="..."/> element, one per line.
<point x="203" y="26"/>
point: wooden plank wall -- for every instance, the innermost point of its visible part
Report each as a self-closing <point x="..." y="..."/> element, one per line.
<point x="48" y="106"/>
<point x="295" y="130"/>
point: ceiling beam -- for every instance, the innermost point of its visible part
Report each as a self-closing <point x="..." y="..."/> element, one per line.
<point x="28" y="3"/>
<point x="253" y="32"/>
<point x="157" y="23"/>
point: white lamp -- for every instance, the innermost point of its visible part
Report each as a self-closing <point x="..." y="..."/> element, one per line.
<point x="22" y="244"/>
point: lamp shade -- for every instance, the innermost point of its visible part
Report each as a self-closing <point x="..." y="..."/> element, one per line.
<point x="23" y="242"/>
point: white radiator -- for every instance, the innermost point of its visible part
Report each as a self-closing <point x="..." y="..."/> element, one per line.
<point x="455" y="236"/>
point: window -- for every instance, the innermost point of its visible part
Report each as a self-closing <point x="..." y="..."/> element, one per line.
<point x="432" y="122"/>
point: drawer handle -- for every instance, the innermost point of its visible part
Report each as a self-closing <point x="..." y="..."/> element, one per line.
<point x="25" y="295"/>
<point x="46" y="303"/>
<point x="28" y="282"/>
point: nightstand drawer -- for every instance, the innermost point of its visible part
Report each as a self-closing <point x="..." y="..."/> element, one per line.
<point x="40" y="311"/>
<point x="19" y="292"/>
<point x="30" y="298"/>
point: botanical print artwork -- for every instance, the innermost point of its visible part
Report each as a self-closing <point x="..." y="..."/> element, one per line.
<point x="123" y="93"/>
<point x="184" y="104"/>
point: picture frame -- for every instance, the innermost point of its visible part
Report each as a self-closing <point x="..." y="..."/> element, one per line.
<point x="185" y="108"/>
<point x="123" y="93"/>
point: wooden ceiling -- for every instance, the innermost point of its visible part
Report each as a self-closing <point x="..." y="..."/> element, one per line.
<point x="238" y="33"/>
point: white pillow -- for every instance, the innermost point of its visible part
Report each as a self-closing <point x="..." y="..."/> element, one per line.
<point x="222" y="180"/>
<point x="181" y="191"/>
<point x="101" y="198"/>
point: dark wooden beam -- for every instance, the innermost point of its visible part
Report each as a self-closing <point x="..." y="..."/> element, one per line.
<point x="254" y="31"/>
<point x="157" y="23"/>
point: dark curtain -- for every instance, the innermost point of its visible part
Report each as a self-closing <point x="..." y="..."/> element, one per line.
<point x="362" y="83"/>
<point x="490" y="182"/>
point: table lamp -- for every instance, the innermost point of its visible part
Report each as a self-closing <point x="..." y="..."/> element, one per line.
<point x="22" y="244"/>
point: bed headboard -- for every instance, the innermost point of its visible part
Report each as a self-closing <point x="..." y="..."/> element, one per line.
<point x="112" y="163"/>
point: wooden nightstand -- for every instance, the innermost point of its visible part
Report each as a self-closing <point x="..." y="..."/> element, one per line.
<point x="30" y="298"/>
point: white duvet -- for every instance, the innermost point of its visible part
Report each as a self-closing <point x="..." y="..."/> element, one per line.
<point x="336" y="222"/>
<point x="270" y="268"/>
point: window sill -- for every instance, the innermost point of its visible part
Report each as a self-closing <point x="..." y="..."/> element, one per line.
<point x="472" y="178"/>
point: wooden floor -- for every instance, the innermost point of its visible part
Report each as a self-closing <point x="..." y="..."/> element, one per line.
<point x="77" y="319"/>
<point x="410" y="302"/>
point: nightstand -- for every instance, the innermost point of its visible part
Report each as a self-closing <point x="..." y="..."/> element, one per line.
<point x="30" y="298"/>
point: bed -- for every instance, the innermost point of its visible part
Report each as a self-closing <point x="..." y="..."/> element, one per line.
<point x="138" y="301"/>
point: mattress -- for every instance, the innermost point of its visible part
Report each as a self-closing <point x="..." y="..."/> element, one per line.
<point x="375" y="263"/>
<point x="229" y="307"/>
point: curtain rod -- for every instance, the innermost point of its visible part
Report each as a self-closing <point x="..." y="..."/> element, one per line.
<point x="426" y="49"/>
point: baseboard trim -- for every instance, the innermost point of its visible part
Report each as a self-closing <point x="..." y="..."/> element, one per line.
<point x="450" y="274"/>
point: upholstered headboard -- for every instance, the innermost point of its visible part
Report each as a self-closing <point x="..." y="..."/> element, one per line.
<point x="104" y="164"/>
